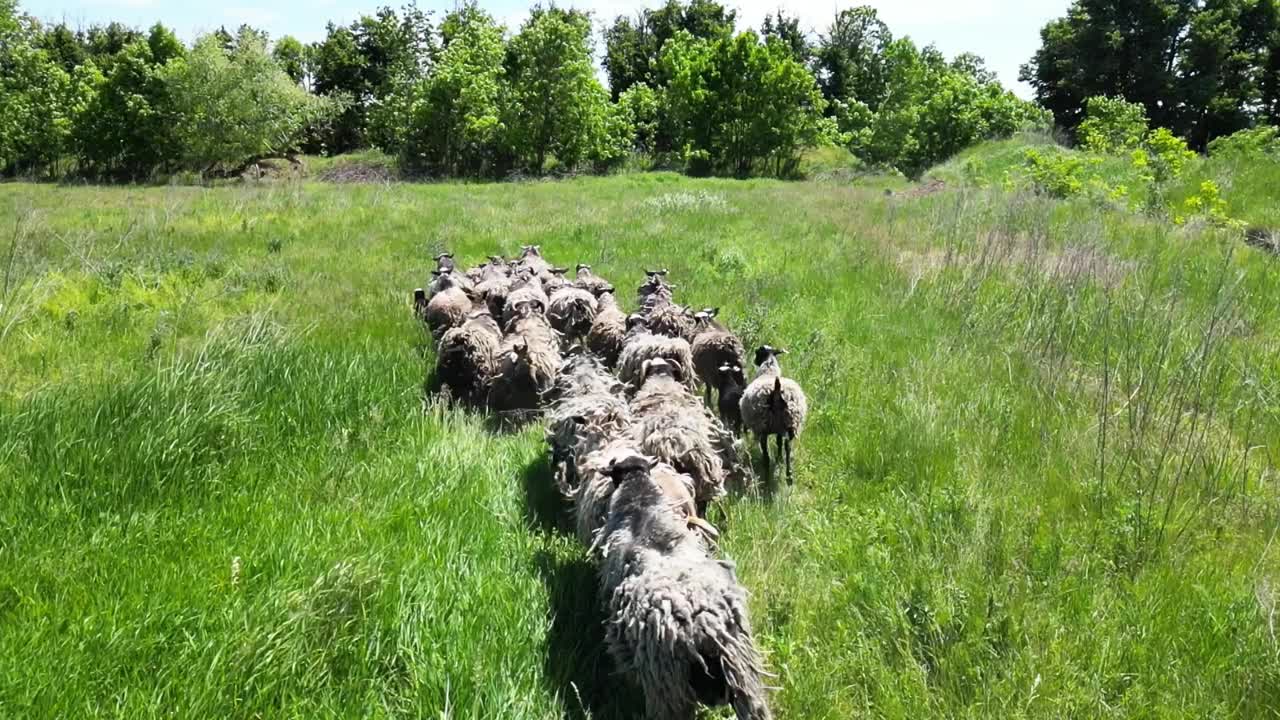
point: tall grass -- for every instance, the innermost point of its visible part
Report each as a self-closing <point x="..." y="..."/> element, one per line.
<point x="1038" y="479"/>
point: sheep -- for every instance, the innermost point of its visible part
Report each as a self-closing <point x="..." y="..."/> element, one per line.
<point x="494" y="292"/>
<point x="670" y="424"/>
<point x="445" y="263"/>
<point x="572" y="311"/>
<point x="466" y="358"/>
<point x="640" y="345"/>
<point x="773" y="405"/>
<point x="586" y="411"/>
<point x="531" y="259"/>
<point x="528" y="361"/>
<point x="677" y="621"/>
<point x="591" y="282"/>
<point x="667" y="318"/>
<point x="608" y="329"/>
<point x="449" y="307"/>
<point x="553" y="280"/>
<point x="654" y="290"/>
<point x="526" y="289"/>
<point x="730" y="382"/>
<point x="713" y="347"/>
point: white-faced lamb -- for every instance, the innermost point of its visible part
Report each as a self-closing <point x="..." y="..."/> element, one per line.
<point x="466" y="358"/>
<point x="713" y="347"/>
<point x="773" y="405"/>
<point x="528" y="361"/>
<point x="677" y="618"/>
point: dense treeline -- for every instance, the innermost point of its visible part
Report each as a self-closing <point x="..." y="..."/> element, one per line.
<point x="460" y="95"/>
<point x="1202" y="68"/>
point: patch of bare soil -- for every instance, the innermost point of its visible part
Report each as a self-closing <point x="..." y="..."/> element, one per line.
<point x="358" y="173"/>
<point x="934" y="185"/>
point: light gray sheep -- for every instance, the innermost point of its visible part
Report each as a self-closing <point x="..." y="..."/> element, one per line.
<point x="640" y="344"/>
<point x="466" y="358"/>
<point x="586" y="410"/>
<point x="667" y="318"/>
<point x="773" y="405"/>
<point x="572" y="311"/>
<point x="678" y="622"/>
<point x="528" y="361"/>
<point x="553" y="280"/>
<point x="713" y="347"/>
<point x="608" y="329"/>
<point x="449" y="307"/>
<point x="655" y="290"/>
<point x="526" y="290"/>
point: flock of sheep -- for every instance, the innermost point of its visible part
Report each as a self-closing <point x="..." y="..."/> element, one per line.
<point x="635" y="450"/>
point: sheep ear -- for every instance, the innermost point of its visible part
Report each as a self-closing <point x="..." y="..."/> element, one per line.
<point x="714" y="311"/>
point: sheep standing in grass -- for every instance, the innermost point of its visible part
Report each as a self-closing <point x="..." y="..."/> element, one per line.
<point x="526" y="289"/>
<point x="532" y="260"/>
<point x="671" y="425"/>
<point x="654" y="291"/>
<point x="678" y="622"/>
<point x="608" y="329"/>
<point x="773" y="405"/>
<point x="528" y="361"/>
<point x="572" y="311"/>
<point x="713" y="347"/>
<point x="586" y="411"/>
<point x="449" y="307"/>
<point x="640" y="344"/>
<point x="466" y="358"/>
<point x="730" y="384"/>
<point x="591" y="282"/>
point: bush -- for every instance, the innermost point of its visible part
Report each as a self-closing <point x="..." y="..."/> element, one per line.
<point x="1256" y="142"/>
<point x="1112" y="126"/>
<point x="1054" y="173"/>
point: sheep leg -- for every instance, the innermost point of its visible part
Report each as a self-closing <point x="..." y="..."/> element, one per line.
<point x="764" y="452"/>
<point x="790" y="436"/>
<point x="707" y="390"/>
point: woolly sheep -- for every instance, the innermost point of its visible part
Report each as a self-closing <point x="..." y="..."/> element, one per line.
<point x="466" y="358"/>
<point x="608" y="329"/>
<point x="730" y="383"/>
<point x="713" y="346"/>
<point x="667" y="318"/>
<point x="528" y="293"/>
<point x="677" y="618"/>
<point x="572" y="311"/>
<point x="640" y="345"/>
<point x="553" y="280"/>
<point x="531" y="259"/>
<point x="773" y="405"/>
<point x="448" y="308"/>
<point x="654" y="290"/>
<point x="591" y="282"/>
<point x="670" y="424"/>
<point x="586" y="411"/>
<point x="528" y="361"/>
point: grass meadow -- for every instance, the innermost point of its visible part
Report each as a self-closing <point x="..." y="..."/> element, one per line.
<point x="1038" y="479"/>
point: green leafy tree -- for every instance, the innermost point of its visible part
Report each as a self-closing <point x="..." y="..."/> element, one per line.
<point x="34" y="95"/>
<point x="556" y="105"/>
<point x="785" y="29"/>
<point x="127" y="129"/>
<point x="741" y="105"/>
<point x="453" y="117"/>
<point x="164" y="45"/>
<point x="642" y="107"/>
<point x="1220" y="86"/>
<point x="291" y="55"/>
<point x="851" y="57"/>
<point x="633" y="46"/>
<point x="236" y="107"/>
<point x="103" y="43"/>
<point x="63" y="47"/>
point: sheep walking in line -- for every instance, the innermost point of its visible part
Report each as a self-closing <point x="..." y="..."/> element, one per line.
<point x="608" y="330"/>
<point x="641" y="345"/>
<point x="591" y="282"/>
<point x="572" y="311"/>
<point x="449" y="307"/>
<point x="466" y="358"/>
<point x="773" y="405"/>
<point x="678" y="622"/>
<point x="528" y="361"/>
<point x="714" y="347"/>
<point x="730" y="384"/>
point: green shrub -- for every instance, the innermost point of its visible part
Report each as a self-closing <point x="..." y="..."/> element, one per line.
<point x="1112" y="126"/>
<point x="1054" y="173"/>
<point x="1254" y="142"/>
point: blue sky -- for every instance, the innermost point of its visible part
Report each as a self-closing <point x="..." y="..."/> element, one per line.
<point x="1005" y="32"/>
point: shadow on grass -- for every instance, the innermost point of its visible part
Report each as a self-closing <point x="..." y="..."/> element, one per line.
<point x="576" y="666"/>
<point x="545" y="508"/>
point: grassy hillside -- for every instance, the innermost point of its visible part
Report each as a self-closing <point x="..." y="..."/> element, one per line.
<point x="1038" y="479"/>
<point x="1250" y="186"/>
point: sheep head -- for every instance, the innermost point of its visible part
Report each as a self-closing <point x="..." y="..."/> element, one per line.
<point x="765" y="353"/>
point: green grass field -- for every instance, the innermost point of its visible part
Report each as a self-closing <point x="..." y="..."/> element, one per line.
<point x="1038" y="479"/>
